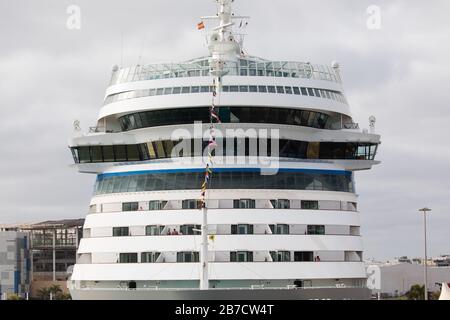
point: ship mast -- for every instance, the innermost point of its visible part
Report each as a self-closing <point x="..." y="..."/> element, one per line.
<point x="224" y="48"/>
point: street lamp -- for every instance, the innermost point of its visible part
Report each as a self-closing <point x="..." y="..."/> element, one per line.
<point x="425" y="210"/>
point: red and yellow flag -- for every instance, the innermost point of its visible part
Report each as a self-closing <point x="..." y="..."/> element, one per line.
<point x="200" y="25"/>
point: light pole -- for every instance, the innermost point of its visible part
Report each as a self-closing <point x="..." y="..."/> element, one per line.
<point x="425" y="210"/>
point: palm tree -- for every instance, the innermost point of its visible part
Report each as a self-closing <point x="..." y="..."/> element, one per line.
<point x="54" y="289"/>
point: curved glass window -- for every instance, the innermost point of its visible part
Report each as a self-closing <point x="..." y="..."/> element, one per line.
<point x="283" y="116"/>
<point x="225" y="179"/>
<point x="244" y="67"/>
<point x="287" y="149"/>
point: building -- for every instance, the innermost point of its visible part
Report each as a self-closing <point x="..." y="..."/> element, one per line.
<point x="278" y="201"/>
<point x="395" y="279"/>
<point x="442" y="261"/>
<point x="50" y="251"/>
<point x="53" y="246"/>
<point x="14" y="262"/>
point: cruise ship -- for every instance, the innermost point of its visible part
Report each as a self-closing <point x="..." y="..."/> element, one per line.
<point x="227" y="176"/>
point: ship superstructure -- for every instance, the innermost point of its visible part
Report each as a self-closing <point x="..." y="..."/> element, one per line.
<point x="281" y="200"/>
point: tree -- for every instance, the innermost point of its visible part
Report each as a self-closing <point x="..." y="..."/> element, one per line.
<point x="416" y="292"/>
<point x="54" y="289"/>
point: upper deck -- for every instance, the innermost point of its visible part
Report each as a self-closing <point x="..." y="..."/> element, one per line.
<point x="249" y="66"/>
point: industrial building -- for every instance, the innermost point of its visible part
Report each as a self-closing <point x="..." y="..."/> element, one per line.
<point x="43" y="255"/>
<point x="395" y="279"/>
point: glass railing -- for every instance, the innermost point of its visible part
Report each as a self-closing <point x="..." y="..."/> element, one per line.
<point x="243" y="67"/>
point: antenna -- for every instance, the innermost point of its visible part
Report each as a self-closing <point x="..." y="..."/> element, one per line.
<point x="222" y="42"/>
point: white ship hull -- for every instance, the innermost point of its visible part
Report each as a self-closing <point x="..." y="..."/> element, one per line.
<point x="279" y="219"/>
<point x="228" y="294"/>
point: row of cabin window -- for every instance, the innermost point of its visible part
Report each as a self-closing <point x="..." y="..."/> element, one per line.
<point x="237" y="204"/>
<point x="235" y="256"/>
<point x="312" y="92"/>
<point x="283" y="116"/>
<point x="156" y="230"/>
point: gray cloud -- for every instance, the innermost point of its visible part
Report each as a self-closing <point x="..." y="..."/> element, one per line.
<point x="400" y="73"/>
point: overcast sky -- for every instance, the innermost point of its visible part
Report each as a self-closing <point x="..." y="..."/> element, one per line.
<point x="400" y="73"/>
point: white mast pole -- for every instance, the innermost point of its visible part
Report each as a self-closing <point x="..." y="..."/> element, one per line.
<point x="204" y="280"/>
<point x="220" y="52"/>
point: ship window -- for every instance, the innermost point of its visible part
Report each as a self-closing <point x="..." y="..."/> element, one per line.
<point x="252" y="72"/>
<point x="316" y="229"/>
<point x="176" y="90"/>
<point x="280" y="256"/>
<point x="121" y="232"/>
<point x="133" y="152"/>
<point x="253" y="88"/>
<point x="332" y="95"/>
<point x="168" y="91"/>
<point x="186" y="90"/>
<point x="311" y="92"/>
<point x="156" y="205"/>
<point x="189" y="229"/>
<point x="280" y="89"/>
<point x="188" y="257"/>
<point x="154" y="230"/>
<point x="96" y="154"/>
<point x="228" y="180"/>
<point x="288" y="90"/>
<point x="121" y="153"/>
<point x="191" y="204"/>
<point x="281" y="203"/>
<point x="108" y="154"/>
<point x="303" y="256"/>
<point x="317" y="92"/>
<point x="150" y="257"/>
<point x="279" y="228"/>
<point x="75" y="155"/>
<point x="262" y="89"/>
<point x="152" y="92"/>
<point x="242" y="229"/>
<point x="310" y="205"/>
<point x="226" y="88"/>
<point x="128" y="258"/>
<point x="328" y="94"/>
<point x="159" y="91"/>
<point x="243" y="88"/>
<point x="241" y="256"/>
<point x="195" y="89"/>
<point x="244" y="72"/>
<point x="130" y="206"/>
<point x="204" y="89"/>
<point x="271" y="89"/>
<point x="304" y="91"/>
<point x="244" y="204"/>
<point x="84" y="155"/>
<point x="234" y="88"/>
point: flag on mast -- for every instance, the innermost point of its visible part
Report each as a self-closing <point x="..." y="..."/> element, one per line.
<point x="201" y="25"/>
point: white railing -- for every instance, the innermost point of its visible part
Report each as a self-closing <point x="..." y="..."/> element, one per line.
<point x="254" y="287"/>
